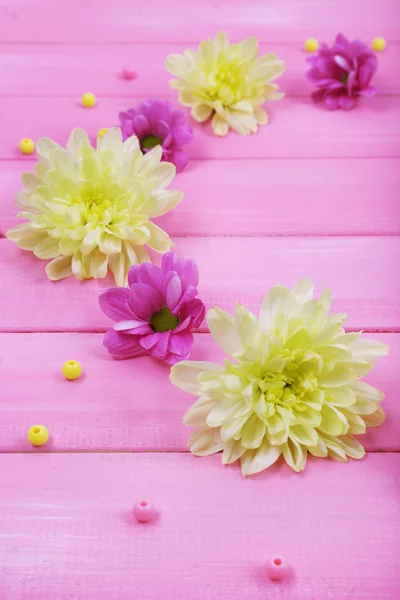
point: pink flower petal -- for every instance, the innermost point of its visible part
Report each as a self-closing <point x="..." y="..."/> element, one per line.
<point x="342" y="62"/>
<point x="179" y="159"/>
<point x="172" y="359"/>
<point x="173" y="293"/>
<point x="149" y="341"/>
<point x="121" y="345"/>
<point x="130" y="324"/>
<point x="346" y="103"/>
<point x="195" y="309"/>
<point x="180" y="343"/>
<point x="183" y="324"/>
<point x="145" y="273"/>
<point x="144" y="300"/>
<point x="161" y="348"/>
<point x="141" y="125"/>
<point x="189" y="273"/>
<point x="170" y="262"/>
<point x="364" y="75"/>
<point x="114" y="303"/>
<point x="368" y="92"/>
<point x="331" y="101"/>
<point x="188" y="294"/>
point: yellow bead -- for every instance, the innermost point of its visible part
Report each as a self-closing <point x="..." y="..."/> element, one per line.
<point x="311" y="45"/>
<point x="38" y="435"/>
<point x="378" y="44"/>
<point x="71" y="369"/>
<point x="88" y="100"/>
<point x="102" y="132"/>
<point x="27" y="146"/>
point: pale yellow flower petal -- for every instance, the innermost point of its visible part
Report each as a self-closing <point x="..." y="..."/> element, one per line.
<point x="159" y="240"/>
<point x="204" y="442"/>
<point x="201" y="112"/>
<point x="255" y="461"/>
<point x="260" y="115"/>
<point x="279" y="302"/>
<point x="223" y="329"/>
<point x="48" y="248"/>
<point x="77" y="140"/>
<point x="59" y="268"/>
<point x="26" y="238"/>
<point x="295" y="455"/>
<point x="375" y="419"/>
<point x="184" y="374"/>
<point x="220" y="126"/>
<point x="118" y="266"/>
<point x="233" y="450"/>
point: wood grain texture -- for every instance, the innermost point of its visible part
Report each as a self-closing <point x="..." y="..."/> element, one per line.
<point x="231" y="270"/>
<point x="126" y="405"/>
<point x="67" y="531"/>
<point x="157" y="21"/>
<point x="267" y="197"/>
<point x="297" y="128"/>
<point x="69" y="71"/>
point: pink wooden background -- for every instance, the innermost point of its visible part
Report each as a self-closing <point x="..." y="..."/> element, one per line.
<point x="314" y="194"/>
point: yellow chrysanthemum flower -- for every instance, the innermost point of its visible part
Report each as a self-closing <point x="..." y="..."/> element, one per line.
<point x="88" y="208"/>
<point x="295" y="386"/>
<point x="227" y="80"/>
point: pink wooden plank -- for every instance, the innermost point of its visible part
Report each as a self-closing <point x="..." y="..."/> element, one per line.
<point x="67" y="531"/>
<point x="69" y="71"/>
<point x="322" y="203"/>
<point x="361" y="271"/>
<point x="126" y="405"/>
<point x="297" y="128"/>
<point x="158" y="21"/>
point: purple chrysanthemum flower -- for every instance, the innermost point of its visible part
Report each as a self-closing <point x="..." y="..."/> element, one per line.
<point x="342" y="72"/>
<point x="156" y="122"/>
<point x="156" y="314"/>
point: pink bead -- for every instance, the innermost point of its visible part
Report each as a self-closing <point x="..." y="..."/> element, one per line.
<point x="277" y="568"/>
<point x="128" y="73"/>
<point x="143" y="511"/>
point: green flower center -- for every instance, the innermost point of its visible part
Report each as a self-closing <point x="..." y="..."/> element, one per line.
<point x="345" y="78"/>
<point x="164" y="320"/>
<point x="149" y="141"/>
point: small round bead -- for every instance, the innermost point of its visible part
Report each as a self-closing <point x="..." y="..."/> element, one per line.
<point x="277" y="568"/>
<point x="143" y="511"/>
<point x="38" y="435"/>
<point x="311" y="45"/>
<point x="88" y="100"/>
<point x="128" y="73"/>
<point x="27" y="146"/>
<point x="102" y="132"/>
<point x="378" y="44"/>
<point x="71" y="369"/>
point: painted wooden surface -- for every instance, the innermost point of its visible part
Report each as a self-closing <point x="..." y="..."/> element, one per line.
<point x="98" y="68"/>
<point x="159" y="21"/>
<point x="233" y="269"/>
<point x="314" y="194"/>
<point x="298" y="128"/>
<point x="129" y="405"/>
<point x="67" y="530"/>
<point x="288" y="197"/>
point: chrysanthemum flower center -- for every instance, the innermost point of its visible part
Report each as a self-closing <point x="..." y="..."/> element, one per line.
<point x="228" y="84"/>
<point x="96" y="199"/>
<point x="289" y="387"/>
<point x="149" y="141"/>
<point x="164" y="320"/>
